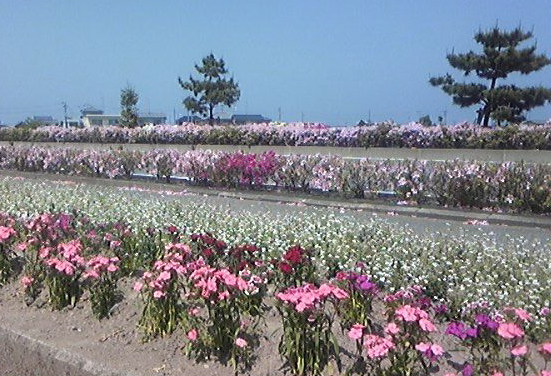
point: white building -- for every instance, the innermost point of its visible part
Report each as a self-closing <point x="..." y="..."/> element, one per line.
<point x="102" y="120"/>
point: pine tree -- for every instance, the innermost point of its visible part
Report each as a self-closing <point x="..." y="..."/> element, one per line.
<point x="129" y="110"/>
<point x="500" y="57"/>
<point x="214" y="89"/>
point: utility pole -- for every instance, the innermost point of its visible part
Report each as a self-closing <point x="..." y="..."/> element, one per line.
<point x="369" y="117"/>
<point x="279" y="113"/>
<point x="302" y="117"/>
<point x="445" y="117"/>
<point x="65" y="112"/>
<point x="174" y="115"/>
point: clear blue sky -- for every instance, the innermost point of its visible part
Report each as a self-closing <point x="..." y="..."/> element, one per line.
<point x="331" y="60"/>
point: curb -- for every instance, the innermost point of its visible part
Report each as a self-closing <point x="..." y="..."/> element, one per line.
<point x="24" y="355"/>
<point x="457" y="215"/>
<point x="419" y="212"/>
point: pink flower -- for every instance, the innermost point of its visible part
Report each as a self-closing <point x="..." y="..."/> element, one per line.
<point x="240" y="342"/>
<point x="509" y="331"/>
<point x="223" y="295"/>
<point x="356" y="332"/>
<point x="138" y="286"/>
<point x="546" y="348"/>
<point x="522" y="314"/>
<point x="112" y="268"/>
<point x="392" y="328"/>
<point x="158" y="294"/>
<point x="194" y="311"/>
<point x="519" y="350"/>
<point x="430" y="350"/>
<point x="497" y="373"/>
<point x="164" y="276"/>
<point x="192" y="335"/>
<point x="91" y="274"/>
<point x="44" y="252"/>
<point x="545" y="373"/>
<point x="427" y="325"/>
<point x="410" y="314"/>
<point x="6" y="233"/>
<point x="27" y="281"/>
<point x="22" y="247"/>
<point x="377" y="347"/>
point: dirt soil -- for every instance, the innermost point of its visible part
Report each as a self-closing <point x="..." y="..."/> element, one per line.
<point x="114" y="343"/>
<point x="114" y="346"/>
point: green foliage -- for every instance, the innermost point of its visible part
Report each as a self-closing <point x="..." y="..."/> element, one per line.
<point x="501" y="56"/>
<point x="129" y="110"/>
<point x="63" y="290"/>
<point x="212" y="90"/>
<point x="425" y="120"/>
<point x="28" y="123"/>
<point x="307" y="343"/>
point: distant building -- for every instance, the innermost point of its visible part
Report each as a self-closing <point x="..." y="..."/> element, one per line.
<point x="71" y="122"/>
<point x="243" y="119"/>
<point x="89" y="110"/>
<point x="189" y="119"/>
<point x="102" y="120"/>
<point x="45" y="120"/>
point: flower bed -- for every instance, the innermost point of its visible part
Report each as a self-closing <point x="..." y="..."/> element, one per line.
<point x="218" y="295"/>
<point x="454" y="268"/>
<point x="298" y="134"/>
<point x="513" y="186"/>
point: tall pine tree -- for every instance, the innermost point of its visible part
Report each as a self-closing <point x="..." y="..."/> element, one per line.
<point x="501" y="55"/>
<point x="212" y="90"/>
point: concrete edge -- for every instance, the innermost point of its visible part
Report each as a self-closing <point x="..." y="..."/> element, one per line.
<point x="458" y="215"/>
<point x="53" y="360"/>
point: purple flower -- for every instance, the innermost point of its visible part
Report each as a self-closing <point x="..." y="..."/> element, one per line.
<point x="486" y="322"/>
<point x="457" y="329"/>
<point x="441" y="309"/>
<point x="467" y="370"/>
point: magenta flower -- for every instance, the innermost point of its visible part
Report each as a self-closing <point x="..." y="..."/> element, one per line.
<point x="356" y="332"/>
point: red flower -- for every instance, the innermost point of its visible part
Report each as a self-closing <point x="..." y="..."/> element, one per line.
<point x="208" y="252"/>
<point x="294" y="255"/>
<point x="285" y="267"/>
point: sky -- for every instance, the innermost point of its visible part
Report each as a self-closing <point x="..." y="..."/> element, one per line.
<point x="329" y="61"/>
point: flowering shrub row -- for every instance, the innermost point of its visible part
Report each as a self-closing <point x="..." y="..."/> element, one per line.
<point x="298" y="134"/>
<point x="218" y="295"/>
<point x="509" y="185"/>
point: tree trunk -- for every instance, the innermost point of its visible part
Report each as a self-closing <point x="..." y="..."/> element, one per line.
<point x="489" y="106"/>
<point x="211" y="117"/>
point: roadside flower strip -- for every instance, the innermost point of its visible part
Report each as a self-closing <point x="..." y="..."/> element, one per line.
<point x="161" y="292"/>
<point x="7" y="234"/>
<point x="308" y="344"/>
<point x="386" y="134"/>
<point x="509" y="185"/>
<point x="64" y="266"/>
<point x="223" y="314"/>
<point x="217" y="295"/>
<point x="101" y="277"/>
